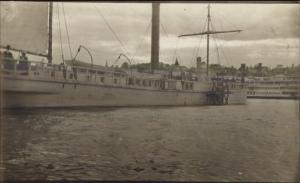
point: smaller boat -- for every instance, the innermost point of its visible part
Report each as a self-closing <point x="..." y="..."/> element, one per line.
<point x="276" y="87"/>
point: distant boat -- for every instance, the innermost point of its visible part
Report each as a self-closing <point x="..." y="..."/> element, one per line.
<point x="276" y="87"/>
<point x="39" y="84"/>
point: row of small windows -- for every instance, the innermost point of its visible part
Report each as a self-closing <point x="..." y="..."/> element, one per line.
<point x="153" y="83"/>
<point x="264" y="93"/>
<point x="251" y="93"/>
<point x="131" y="81"/>
<point x="283" y="87"/>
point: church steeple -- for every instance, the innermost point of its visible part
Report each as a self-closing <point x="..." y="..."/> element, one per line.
<point x="176" y="62"/>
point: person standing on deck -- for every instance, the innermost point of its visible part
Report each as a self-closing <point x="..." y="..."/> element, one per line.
<point x="8" y="59"/>
<point x="23" y="62"/>
<point x="7" y="55"/>
<point x="23" y="58"/>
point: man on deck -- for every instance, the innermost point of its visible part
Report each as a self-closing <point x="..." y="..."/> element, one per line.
<point x="23" y="62"/>
<point x="8" y="59"/>
<point x="23" y="58"/>
<point x="7" y="55"/>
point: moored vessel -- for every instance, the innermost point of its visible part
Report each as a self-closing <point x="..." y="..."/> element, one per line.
<point x="28" y="83"/>
<point x="275" y="87"/>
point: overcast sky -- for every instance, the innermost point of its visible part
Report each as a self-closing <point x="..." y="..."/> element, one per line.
<point x="270" y="32"/>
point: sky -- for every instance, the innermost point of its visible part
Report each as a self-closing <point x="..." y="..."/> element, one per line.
<point x="271" y="32"/>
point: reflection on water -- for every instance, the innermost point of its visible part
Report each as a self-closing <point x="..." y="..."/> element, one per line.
<point x="254" y="142"/>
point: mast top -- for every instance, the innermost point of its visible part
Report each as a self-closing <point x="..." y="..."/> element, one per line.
<point x="208" y="32"/>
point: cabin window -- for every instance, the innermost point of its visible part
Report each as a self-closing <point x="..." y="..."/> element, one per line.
<point x="162" y="84"/>
<point x="92" y="71"/>
<point x="33" y="67"/>
<point x="102" y="79"/>
<point x="171" y="85"/>
<point x="115" y="81"/>
<point x="52" y="74"/>
<point x="82" y="70"/>
<point x="130" y="81"/>
<point x="70" y="76"/>
<point x="144" y="83"/>
<point x="157" y="84"/>
<point x="100" y="72"/>
<point x="137" y="82"/>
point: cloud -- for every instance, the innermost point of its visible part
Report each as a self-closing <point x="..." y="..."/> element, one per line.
<point x="270" y="35"/>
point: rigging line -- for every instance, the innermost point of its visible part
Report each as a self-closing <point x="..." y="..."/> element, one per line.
<point x="223" y="27"/>
<point x="67" y="30"/>
<point x="175" y="50"/>
<point x="111" y="29"/>
<point x="142" y="40"/>
<point x="176" y="54"/>
<point x="198" y="49"/>
<point x="230" y="37"/>
<point x="217" y="49"/>
<point x="226" y="59"/>
<point x="60" y="39"/>
<point x="225" y="20"/>
<point x="165" y="31"/>
<point x="225" y="56"/>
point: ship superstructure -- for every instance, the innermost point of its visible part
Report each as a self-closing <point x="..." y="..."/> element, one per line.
<point x="40" y="84"/>
<point x="276" y="87"/>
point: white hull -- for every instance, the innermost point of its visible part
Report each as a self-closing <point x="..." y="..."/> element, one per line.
<point x="34" y="93"/>
<point x="274" y="96"/>
<point x="280" y="88"/>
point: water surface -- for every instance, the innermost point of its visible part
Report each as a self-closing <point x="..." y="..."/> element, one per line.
<point x="254" y="142"/>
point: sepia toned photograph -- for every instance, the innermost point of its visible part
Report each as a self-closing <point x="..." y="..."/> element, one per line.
<point x="149" y="91"/>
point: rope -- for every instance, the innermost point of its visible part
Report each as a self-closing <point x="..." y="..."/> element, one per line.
<point x="164" y="30"/>
<point x="66" y="27"/>
<point x="222" y="50"/>
<point x="225" y="20"/>
<point x="60" y="39"/>
<point x="175" y="50"/>
<point x="111" y="29"/>
<point x="201" y="37"/>
<point x="230" y="37"/>
<point x="142" y="40"/>
<point x="217" y="49"/>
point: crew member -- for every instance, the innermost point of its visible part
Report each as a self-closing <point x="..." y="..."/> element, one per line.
<point x="23" y="62"/>
<point x="23" y="58"/>
<point x="7" y="55"/>
<point x="8" y="59"/>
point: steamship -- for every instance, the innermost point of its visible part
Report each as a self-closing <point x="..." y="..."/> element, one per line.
<point x="275" y="87"/>
<point x="40" y="84"/>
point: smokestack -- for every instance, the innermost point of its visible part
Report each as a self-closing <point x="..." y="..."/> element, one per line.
<point x="243" y="72"/>
<point x="198" y="64"/>
<point x="155" y="37"/>
<point x="50" y="33"/>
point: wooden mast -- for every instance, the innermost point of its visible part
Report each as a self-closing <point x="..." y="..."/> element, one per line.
<point x="208" y="32"/>
<point x="155" y="37"/>
<point x="50" y="33"/>
<point x="207" y="45"/>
